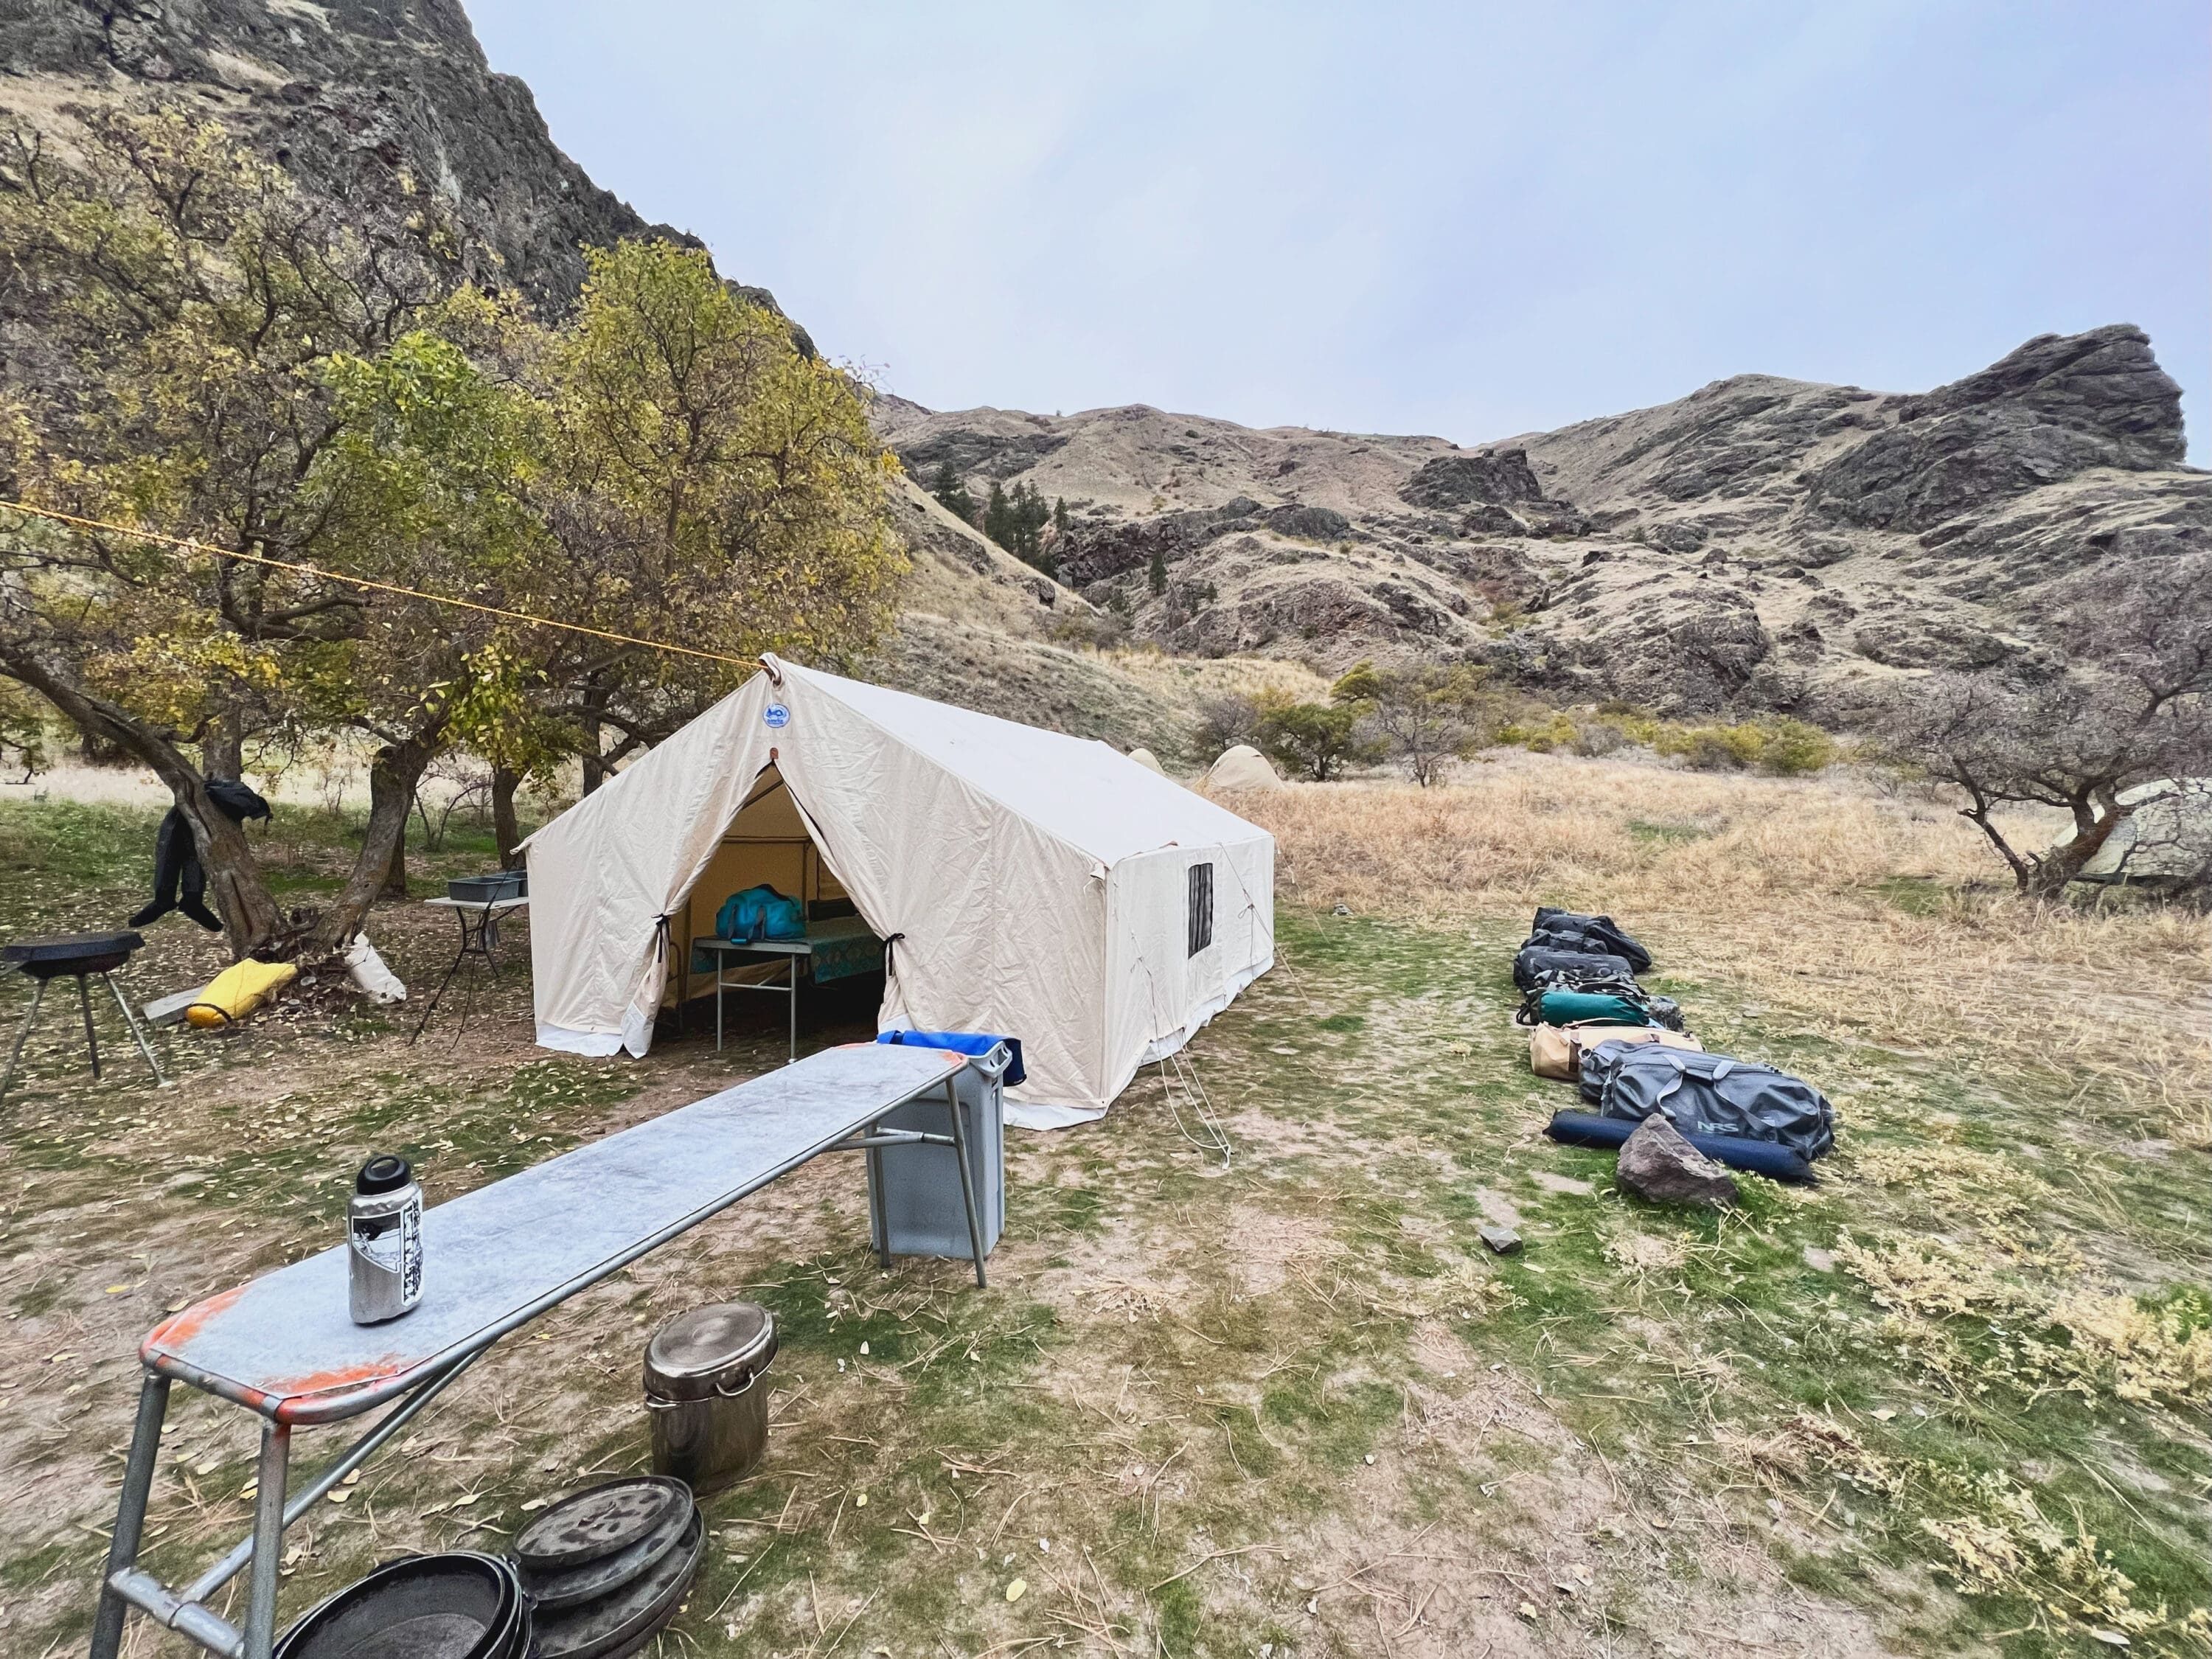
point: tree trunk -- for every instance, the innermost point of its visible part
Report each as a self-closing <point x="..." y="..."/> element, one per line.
<point x="2048" y="876"/>
<point x="222" y="751"/>
<point x="395" y="878"/>
<point x="394" y="773"/>
<point x="250" y="916"/>
<point x="593" y="758"/>
<point x="506" y="828"/>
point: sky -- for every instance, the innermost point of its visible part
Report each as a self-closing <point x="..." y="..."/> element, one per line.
<point x="1460" y="218"/>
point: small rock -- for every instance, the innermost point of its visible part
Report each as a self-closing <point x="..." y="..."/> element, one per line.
<point x="1819" y="1260"/>
<point x="1657" y="1164"/>
<point x="1504" y="1240"/>
<point x="1342" y="910"/>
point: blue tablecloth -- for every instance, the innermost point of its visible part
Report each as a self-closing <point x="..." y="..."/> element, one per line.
<point x="838" y="947"/>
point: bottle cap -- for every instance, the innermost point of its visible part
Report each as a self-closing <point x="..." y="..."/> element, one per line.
<point x="384" y="1173"/>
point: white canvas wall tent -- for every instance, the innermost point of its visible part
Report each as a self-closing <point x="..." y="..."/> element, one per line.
<point x="1243" y="767"/>
<point x="1031" y="884"/>
<point x="2165" y="842"/>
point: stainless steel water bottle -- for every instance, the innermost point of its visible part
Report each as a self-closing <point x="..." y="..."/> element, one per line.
<point x="383" y="1229"/>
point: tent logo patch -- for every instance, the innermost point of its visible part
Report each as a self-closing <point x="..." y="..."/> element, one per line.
<point x="776" y="715"/>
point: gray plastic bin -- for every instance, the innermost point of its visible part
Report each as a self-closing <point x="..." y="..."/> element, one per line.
<point x="914" y="1191"/>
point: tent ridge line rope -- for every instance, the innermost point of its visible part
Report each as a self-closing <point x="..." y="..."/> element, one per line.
<point x="187" y="545"/>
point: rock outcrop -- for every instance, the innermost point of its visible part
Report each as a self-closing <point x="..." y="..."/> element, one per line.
<point x="2055" y="408"/>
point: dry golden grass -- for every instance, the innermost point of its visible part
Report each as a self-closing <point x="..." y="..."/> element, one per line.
<point x="1874" y="916"/>
<point x="1186" y="679"/>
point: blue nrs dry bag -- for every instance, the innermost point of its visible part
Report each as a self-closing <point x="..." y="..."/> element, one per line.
<point x="759" y="913"/>
<point x="1703" y="1094"/>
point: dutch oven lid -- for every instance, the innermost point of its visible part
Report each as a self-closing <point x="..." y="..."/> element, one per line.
<point x="594" y="1524"/>
<point x="569" y="1586"/>
<point x="623" y="1622"/>
<point x="717" y="1349"/>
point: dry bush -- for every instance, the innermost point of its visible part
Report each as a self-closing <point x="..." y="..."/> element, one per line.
<point x="1853" y="908"/>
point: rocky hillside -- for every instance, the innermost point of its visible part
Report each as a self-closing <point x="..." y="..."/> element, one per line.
<point x="351" y="96"/>
<point x="1762" y="543"/>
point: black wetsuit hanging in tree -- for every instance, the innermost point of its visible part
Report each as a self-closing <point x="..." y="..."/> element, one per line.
<point x="179" y="882"/>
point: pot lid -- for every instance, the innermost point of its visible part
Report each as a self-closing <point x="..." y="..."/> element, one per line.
<point x="722" y="1345"/>
<point x="569" y="1587"/>
<point x="622" y="1621"/>
<point x="595" y="1524"/>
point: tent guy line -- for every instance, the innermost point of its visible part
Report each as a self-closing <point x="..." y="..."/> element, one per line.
<point x="187" y="544"/>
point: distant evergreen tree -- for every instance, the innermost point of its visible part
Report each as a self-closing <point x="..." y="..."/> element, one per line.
<point x="999" y="517"/>
<point x="1033" y="516"/>
<point x="1157" y="576"/>
<point x="1059" y="515"/>
<point x="952" y="492"/>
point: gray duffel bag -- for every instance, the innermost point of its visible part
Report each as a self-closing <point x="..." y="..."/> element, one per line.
<point x="1710" y="1095"/>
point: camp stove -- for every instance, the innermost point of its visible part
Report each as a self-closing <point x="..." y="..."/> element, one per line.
<point x="79" y="956"/>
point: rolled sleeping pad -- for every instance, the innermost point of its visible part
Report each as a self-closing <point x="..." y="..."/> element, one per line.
<point x="1764" y="1158"/>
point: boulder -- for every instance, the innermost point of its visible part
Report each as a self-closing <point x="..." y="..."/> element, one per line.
<point x="1657" y="1164"/>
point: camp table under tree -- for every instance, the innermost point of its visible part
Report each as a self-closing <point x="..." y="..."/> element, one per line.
<point x="495" y="1258"/>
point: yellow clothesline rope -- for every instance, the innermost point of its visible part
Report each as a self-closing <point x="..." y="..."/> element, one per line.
<point x="191" y="546"/>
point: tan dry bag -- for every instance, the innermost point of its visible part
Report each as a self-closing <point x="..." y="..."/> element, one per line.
<point x="1557" y="1051"/>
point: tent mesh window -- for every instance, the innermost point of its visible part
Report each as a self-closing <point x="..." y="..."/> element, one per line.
<point x="1201" y="908"/>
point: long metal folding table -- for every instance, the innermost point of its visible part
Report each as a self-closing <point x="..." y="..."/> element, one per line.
<point x="284" y="1346"/>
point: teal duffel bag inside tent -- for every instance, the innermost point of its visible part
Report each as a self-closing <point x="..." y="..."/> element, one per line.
<point x="759" y="913"/>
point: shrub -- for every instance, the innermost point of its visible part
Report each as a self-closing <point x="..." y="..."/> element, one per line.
<point x="1785" y="747"/>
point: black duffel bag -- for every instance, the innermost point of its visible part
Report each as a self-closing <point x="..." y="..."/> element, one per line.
<point x="1570" y="930"/>
<point x="1713" y="1095"/>
<point x="1535" y="964"/>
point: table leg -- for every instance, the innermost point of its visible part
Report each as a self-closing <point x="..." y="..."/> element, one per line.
<point x="460" y="958"/>
<point x="721" y="963"/>
<point x="130" y="1514"/>
<point x="23" y="1035"/>
<point x="138" y="1036"/>
<point x="267" y="1540"/>
<point x="967" y="1182"/>
<point x="792" y="1053"/>
<point x="879" y="1214"/>
<point x="91" y="1036"/>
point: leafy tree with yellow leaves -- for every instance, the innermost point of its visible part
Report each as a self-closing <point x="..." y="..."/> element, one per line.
<point x="708" y="483"/>
<point x="173" y="313"/>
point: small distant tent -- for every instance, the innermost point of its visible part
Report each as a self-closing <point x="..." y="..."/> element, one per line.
<point x="2165" y="842"/>
<point x="1029" y="883"/>
<point x="1241" y="767"/>
<point x="1148" y="760"/>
